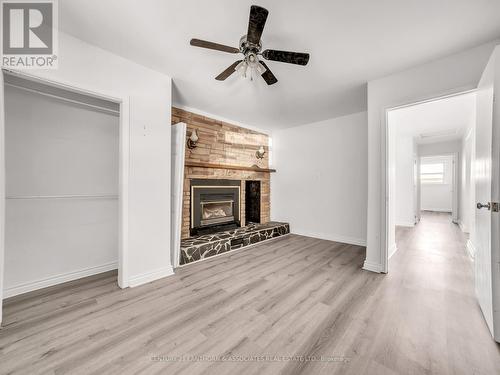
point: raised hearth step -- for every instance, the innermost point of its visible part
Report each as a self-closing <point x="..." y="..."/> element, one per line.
<point x="201" y="247"/>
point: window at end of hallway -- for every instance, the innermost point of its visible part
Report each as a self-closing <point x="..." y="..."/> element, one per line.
<point x="432" y="173"/>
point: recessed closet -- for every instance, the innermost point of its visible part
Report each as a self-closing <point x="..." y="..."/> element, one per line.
<point x="62" y="160"/>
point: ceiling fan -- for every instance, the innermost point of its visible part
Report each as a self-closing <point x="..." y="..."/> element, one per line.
<point x="251" y="47"/>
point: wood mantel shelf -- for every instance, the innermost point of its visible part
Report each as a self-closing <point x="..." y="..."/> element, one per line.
<point x="228" y="166"/>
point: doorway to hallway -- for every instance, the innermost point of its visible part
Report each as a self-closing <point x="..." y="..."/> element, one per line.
<point x="428" y="163"/>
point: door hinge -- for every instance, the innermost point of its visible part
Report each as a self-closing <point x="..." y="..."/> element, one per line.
<point x="495" y="206"/>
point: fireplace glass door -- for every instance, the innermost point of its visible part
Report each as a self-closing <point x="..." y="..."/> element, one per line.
<point x="215" y="206"/>
<point x="216" y="212"/>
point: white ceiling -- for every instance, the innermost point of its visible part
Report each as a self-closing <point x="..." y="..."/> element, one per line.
<point x="439" y="120"/>
<point x="350" y="42"/>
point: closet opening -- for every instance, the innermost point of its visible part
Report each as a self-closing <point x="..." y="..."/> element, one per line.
<point x="63" y="194"/>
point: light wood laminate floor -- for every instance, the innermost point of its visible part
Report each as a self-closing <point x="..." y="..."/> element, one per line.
<point x="294" y="296"/>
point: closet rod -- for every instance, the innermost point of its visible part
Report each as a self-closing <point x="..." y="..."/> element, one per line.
<point x="61" y="197"/>
<point x="62" y="98"/>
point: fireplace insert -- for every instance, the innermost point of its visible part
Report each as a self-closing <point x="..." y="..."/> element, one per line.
<point x="215" y="205"/>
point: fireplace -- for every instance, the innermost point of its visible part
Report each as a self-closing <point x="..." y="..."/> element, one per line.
<point x="216" y="212"/>
<point x="215" y="205"/>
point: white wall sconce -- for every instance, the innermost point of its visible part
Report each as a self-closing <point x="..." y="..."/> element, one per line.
<point x="192" y="141"/>
<point x="260" y="153"/>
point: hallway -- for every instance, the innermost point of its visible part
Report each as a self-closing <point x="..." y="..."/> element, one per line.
<point x="435" y="307"/>
<point x="434" y="230"/>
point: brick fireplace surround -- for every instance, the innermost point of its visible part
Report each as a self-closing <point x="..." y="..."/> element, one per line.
<point x="227" y="144"/>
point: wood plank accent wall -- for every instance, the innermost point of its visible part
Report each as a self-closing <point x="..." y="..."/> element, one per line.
<point x="223" y="143"/>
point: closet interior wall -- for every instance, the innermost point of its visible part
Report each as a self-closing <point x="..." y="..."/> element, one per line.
<point x="62" y="160"/>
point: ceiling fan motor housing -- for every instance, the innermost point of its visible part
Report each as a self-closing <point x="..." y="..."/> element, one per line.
<point x="248" y="47"/>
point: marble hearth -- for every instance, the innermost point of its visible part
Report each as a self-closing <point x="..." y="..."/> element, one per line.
<point x="202" y="247"/>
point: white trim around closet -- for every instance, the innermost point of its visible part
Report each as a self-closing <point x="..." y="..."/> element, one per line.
<point x="124" y="164"/>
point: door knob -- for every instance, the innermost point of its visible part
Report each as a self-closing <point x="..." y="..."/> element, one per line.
<point x="480" y="205"/>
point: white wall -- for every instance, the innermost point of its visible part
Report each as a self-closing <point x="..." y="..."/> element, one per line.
<point x="449" y="75"/>
<point x="440" y="148"/>
<point x="149" y="96"/>
<point x="401" y="205"/>
<point x="320" y="183"/>
<point x="404" y="194"/>
<point x="438" y="197"/>
<point x="58" y="149"/>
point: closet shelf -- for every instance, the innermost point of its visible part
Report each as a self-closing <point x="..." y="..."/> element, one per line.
<point x="62" y="197"/>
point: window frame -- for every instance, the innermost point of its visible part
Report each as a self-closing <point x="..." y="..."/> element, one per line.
<point x="441" y="181"/>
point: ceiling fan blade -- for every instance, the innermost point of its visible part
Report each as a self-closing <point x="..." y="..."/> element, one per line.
<point x="226" y="73"/>
<point x="258" y="17"/>
<point x="286" y="56"/>
<point x="268" y="76"/>
<point x="212" y="45"/>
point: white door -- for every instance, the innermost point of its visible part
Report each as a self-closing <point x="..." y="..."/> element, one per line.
<point x="178" y="153"/>
<point x="486" y="187"/>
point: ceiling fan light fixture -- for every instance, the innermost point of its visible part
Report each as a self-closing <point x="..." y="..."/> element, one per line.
<point x="241" y="68"/>
<point x="254" y="65"/>
<point x="260" y="68"/>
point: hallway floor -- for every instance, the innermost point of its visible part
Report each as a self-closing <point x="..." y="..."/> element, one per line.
<point x="436" y="316"/>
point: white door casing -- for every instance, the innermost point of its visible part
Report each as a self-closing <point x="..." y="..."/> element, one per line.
<point x="454" y="188"/>
<point x="178" y="140"/>
<point x="416" y="189"/>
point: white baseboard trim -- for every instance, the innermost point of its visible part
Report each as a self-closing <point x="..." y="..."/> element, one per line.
<point x="463" y="227"/>
<point x="437" y="210"/>
<point x="58" y="279"/>
<point x="392" y="250"/>
<point x="373" y="267"/>
<point x="471" y="249"/>
<point x="333" y="237"/>
<point x="150" y="276"/>
<point x="408" y="224"/>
